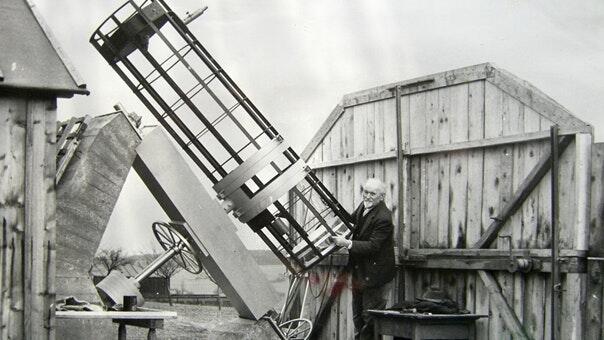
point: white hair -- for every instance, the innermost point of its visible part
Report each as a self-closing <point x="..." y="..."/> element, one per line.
<point x="380" y="187"/>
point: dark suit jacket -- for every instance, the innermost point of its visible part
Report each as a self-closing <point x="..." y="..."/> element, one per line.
<point x="372" y="254"/>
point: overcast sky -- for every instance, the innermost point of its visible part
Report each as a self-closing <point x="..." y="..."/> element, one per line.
<point x="296" y="59"/>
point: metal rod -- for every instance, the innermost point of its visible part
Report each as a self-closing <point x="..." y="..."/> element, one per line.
<point x="288" y="295"/>
<point x="304" y="297"/>
<point x="555" y="293"/>
<point x="400" y="278"/>
<point x="158" y="262"/>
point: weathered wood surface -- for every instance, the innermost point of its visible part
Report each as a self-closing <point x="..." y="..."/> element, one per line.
<point x="469" y="144"/>
<point x="595" y="269"/>
<point x="27" y="208"/>
<point x="86" y="196"/>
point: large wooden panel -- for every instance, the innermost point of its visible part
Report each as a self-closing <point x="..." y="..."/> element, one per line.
<point x="27" y="210"/>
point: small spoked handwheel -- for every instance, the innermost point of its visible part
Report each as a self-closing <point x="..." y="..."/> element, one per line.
<point x="296" y="329"/>
<point x="170" y="236"/>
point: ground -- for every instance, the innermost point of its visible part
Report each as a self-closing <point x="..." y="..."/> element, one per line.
<point x="192" y="321"/>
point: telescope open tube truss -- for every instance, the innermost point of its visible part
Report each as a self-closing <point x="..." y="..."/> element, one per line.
<point x="252" y="168"/>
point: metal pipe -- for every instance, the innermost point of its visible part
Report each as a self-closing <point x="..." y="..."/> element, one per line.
<point x="304" y="298"/>
<point x="555" y="289"/>
<point x="158" y="262"/>
<point x="400" y="277"/>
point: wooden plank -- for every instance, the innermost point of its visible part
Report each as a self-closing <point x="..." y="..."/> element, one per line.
<point x="354" y="160"/>
<point x="573" y="265"/>
<point x="323" y="130"/>
<point x="144" y="314"/>
<point x="15" y="190"/>
<point x="515" y="124"/>
<point x="5" y="166"/>
<point x="494" y="193"/>
<point x="418" y="121"/>
<point x="483" y="306"/>
<point x="344" y="174"/>
<point x="403" y="170"/>
<point x="567" y="196"/>
<point x="547" y="319"/>
<point x="573" y="300"/>
<point x="479" y="252"/>
<point x="444" y="137"/>
<point x="535" y="306"/>
<point x="48" y="288"/>
<point x="429" y="227"/>
<point x="420" y="84"/>
<point x="388" y="110"/>
<point x="476" y="294"/>
<point x="12" y="183"/>
<point x="582" y="189"/>
<point x="512" y="123"/>
<point x="595" y="284"/>
<point x="475" y="162"/>
<point x="505" y="311"/>
<point x="492" y="171"/>
<point x="486" y="142"/>
<point x="544" y="214"/>
<point x="415" y="196"/>
<point x="35" y="271"/>
<point x="530" y="182"/>
<point x="459" y="167"/>
<point x="531" y="153"/>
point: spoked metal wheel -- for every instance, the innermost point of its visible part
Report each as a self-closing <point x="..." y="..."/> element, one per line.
<point x="172" y="235"/>
<point x="296" y="329"/>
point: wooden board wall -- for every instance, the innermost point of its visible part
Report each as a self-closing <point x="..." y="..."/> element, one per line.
<point x="27" y="214"/>
<point x="452" y="196"/>
<point x="595" y="269"/>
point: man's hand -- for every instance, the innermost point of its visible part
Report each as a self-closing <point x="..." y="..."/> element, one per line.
<point x="341" y="241"/>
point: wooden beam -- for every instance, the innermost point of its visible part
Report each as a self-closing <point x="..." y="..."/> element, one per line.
<point x="38" y="198"/>
<point x="355" y="160"/>
<point x="497" y="263"/>
<point x="482" y="143"/>
<point x="544" y="253"/>
<point x="526" y="187"/>
<point x="534" y="98"/>
<point x="506" y="312"/>
<point x="488" y="142"/>
<point x="420" y="84"/>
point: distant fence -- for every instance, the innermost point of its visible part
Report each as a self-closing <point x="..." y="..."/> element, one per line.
<point x="194" y="299"/>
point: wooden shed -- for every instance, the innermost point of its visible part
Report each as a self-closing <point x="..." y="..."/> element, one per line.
<point x="465" y="157"/>
<point x="33" y="73"/>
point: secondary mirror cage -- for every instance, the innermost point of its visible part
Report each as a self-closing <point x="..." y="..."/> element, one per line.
<point x="253" y="170"/>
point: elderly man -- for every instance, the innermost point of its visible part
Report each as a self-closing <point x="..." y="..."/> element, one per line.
<point x="371" y="256"/>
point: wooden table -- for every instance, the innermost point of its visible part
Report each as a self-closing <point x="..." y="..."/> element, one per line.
<point x="416" y="326"/>
<point x="144" y="317"/>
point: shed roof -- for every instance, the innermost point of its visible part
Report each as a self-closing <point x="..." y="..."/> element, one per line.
<point x="30" y="57"/>
<point x="520" y="89"/>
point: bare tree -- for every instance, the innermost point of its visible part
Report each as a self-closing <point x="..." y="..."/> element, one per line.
<point x="112" y="259"/>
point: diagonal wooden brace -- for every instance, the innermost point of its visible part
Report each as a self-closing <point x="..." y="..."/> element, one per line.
<point x="526" y="187"/>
